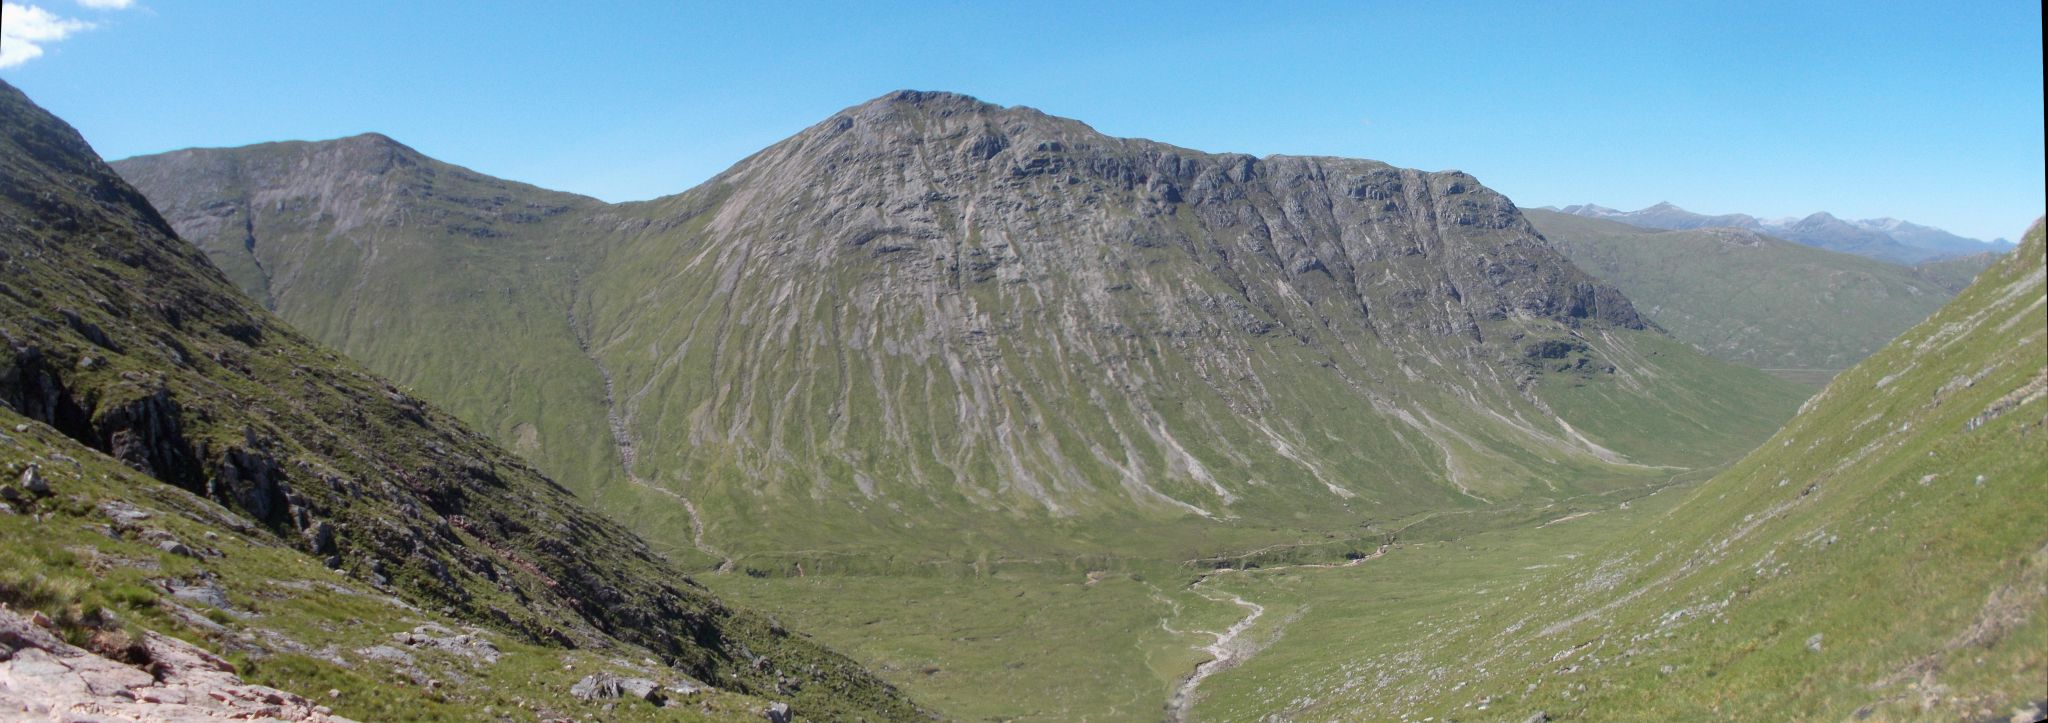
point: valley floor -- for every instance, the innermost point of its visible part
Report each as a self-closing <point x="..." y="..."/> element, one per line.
<point x="1175" y="640"/>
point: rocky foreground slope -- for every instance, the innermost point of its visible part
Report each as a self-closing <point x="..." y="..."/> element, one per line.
<point x="936" y="330"/>
<point x="125" y="341"/>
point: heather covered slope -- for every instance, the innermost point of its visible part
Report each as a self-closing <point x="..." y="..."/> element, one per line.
<point x="125" y="339"/>
<point x="934" y="330"/>
<point x="1749" y="298"/>
<point x="1883" y="556"/>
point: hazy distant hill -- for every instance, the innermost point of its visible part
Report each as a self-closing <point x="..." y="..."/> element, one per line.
<point x="1753" y="299"/>
<point x="1885" y="239"/>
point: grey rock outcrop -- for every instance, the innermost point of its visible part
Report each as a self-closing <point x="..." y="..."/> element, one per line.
<point x="44" y="678"/>
<point x="601" y="686"/>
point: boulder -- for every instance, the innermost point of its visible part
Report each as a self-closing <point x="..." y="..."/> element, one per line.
<point x="601" y="686"/>
<point x="32" y="480"/>
<point x="176" y="548"/>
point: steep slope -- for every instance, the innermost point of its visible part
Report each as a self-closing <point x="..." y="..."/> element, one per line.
<point x="934" y="324"/>
<point x="1885" y="239"/>
<point x="1749" y="298"/>
<point x="1955" y="273"/>
<point x="1881" y="557"/>
<point x="122" y="337"/>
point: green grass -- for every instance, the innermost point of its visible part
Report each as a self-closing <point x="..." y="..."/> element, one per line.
<point x="1014" y="646"/>
<point x="1897" y="519"/>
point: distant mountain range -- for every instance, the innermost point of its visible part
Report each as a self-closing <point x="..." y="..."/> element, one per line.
<point x="1885" y="239"/>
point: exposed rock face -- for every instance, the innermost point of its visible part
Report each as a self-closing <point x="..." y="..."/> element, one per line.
<point x="929" y="300"/>
<point x="44" y="678"/>
<point x="929" y="312"/>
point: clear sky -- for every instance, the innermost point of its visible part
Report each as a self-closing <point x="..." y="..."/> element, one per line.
<point x="1929" y="111"/>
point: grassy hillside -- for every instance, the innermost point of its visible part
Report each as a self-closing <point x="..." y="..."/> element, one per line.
<point x="1882" y="556"/>
<point x="126" y="340"/>
<point x="1801" y="312"/>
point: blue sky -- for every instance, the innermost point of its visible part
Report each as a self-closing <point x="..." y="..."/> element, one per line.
<point x="1925" y="111"/>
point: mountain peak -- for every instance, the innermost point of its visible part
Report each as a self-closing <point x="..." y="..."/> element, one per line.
<point x="931" y="98"/>
<point x="373" y="139"/>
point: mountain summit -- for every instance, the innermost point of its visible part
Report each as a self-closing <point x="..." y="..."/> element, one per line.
<point x="933" y="328"/>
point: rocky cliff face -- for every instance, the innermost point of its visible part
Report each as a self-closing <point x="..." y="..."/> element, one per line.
<point x="125" y="339"/>
<point x="930" y="319"/>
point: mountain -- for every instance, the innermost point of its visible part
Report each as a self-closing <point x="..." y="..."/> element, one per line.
<point x="932" y="330"/>
<point x="1929" y="238"/>
<point x="1666" y="215"/>
<point x="1881" y="558"/>
<point x="172" y="441"/>
<point x="1884" y="239"/>
<point x="1739" y="295"/>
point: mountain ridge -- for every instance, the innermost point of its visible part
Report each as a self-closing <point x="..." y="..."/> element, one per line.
<point x="1885" y="239"/>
